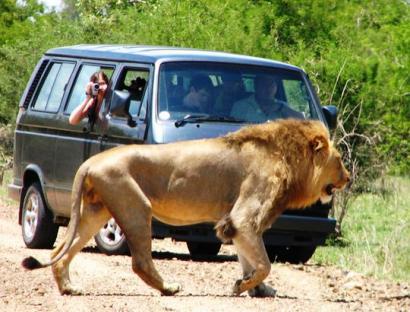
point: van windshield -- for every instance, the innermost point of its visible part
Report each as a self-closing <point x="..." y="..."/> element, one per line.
<point x="252" y="94"/>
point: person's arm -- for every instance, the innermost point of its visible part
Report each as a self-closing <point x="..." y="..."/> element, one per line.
<point x="80" y="112"/>
<point x="289" y="112"/>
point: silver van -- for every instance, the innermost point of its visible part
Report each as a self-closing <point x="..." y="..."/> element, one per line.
<point x="146" y="103"/>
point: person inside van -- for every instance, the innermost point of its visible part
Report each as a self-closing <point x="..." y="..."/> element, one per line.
<point x="263" y="104"/>
<point x="95" y="91"/>
<point x="136" y="88"/>
<point x="232" y="90"/>
<point x="200" y="92"/>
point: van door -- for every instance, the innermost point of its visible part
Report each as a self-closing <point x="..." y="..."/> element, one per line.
<point x="76" y="143"/>
<point x="135" y="80"/>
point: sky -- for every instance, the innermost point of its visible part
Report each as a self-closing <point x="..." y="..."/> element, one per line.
<point x="57" y="4"/>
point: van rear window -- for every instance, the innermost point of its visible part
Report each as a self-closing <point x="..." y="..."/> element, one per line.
<point x="52" y="89"/>
<point x="35" y="82"/>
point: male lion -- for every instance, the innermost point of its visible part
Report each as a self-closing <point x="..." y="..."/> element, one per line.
<point x="242" y="182"/>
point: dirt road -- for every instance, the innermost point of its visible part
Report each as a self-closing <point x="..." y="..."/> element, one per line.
<point x="111" y="285"/>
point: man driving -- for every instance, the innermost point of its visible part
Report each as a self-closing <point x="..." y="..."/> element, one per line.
<point x="263" y="104"/>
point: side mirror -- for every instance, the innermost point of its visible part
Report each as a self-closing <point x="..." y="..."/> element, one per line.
<point x="120" y="106"/>
<point x="120" y="103"/>
<point x="330" y="112"/>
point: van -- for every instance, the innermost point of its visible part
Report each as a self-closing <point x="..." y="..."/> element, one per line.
<point x="48" y="150"/>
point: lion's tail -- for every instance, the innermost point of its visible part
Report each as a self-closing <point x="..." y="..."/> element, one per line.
<point x="31" y="263"/>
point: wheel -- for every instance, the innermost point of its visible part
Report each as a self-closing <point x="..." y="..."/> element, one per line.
<point x="291" y="254"/>
<point x="38" y="228"/>
<point x="197" y="249"/>
<point x="111" y="240"/>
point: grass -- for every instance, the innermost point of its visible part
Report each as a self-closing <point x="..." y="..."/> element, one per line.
<point x="376" y="234"/>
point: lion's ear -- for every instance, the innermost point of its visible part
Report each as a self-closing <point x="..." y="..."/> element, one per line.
<point x="319" y="143"/>
<point x="320" y="148"/>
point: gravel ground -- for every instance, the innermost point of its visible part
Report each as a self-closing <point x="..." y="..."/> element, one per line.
<point x="111" y="285"/>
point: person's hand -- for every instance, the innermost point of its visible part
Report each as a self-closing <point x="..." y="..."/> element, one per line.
<point x="89" y="89"/>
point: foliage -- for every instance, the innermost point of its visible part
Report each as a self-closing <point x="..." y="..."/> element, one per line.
<point x="354" y="51"/>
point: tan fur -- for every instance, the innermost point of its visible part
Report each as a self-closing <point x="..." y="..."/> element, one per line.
<point x="242" y="182"/>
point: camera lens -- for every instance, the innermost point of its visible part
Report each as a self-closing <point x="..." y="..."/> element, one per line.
<point x="95" y="88"/>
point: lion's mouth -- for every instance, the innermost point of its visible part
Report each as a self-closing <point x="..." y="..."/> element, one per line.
<point x="327" y="193"/>
<point x="330" y="189"/>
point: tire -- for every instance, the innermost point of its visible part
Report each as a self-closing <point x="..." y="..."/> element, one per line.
<point x="200" y="249"/>
<point x="38" y="229"/>
<point x="111" y="239"/>
<point x="291" y="254"/>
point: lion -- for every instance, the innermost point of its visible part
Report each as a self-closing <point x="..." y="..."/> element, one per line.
<point x="241" y="182"/>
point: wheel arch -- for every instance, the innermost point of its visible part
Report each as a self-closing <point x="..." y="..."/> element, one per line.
<point x="32" y="173"/>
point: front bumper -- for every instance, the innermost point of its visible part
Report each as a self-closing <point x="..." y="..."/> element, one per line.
<point x="288" y="230"/>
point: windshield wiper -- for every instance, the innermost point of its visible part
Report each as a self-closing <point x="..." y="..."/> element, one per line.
<point x="195" y="118"/>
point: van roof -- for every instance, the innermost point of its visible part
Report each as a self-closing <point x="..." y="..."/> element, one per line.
<point x="152" y="54"/>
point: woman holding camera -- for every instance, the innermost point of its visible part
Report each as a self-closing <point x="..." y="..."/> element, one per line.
<point x="95" y="92"/>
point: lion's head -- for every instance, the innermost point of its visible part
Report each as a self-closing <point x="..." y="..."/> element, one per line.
<point x="313" y="165"/>
<point x="334" y="176"/>
<point x="329" y="172"/>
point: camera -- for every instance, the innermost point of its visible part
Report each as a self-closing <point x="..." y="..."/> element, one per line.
<point x="94" y="89"/>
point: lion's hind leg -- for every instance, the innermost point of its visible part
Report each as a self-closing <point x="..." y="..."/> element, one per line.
<point x="93" y="217"/>
<point x="139" y="241"/>
<point x="133" y="213"/>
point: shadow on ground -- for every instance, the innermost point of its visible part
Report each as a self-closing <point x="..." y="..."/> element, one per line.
<point x="167" y="255"/>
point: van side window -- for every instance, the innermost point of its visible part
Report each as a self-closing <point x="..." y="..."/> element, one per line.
<point x="78" y="91"/>
<point x="134" y="81"/>
<point x="52" y="90"/>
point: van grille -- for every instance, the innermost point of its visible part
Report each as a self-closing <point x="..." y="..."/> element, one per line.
<point x="34" y="84"/>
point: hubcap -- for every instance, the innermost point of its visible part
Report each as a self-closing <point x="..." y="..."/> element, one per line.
<point x="31" y="215"/>
<point x="111" y="234"/>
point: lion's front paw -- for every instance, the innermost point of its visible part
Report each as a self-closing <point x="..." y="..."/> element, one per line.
<point x="236" y="290"/>
<point x="170" y="289"/>
<point x="262" y="290"/>
<point x="71" y="291"/>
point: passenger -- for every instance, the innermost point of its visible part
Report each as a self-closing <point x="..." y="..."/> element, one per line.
<point x="136" y="88"/>
<point x="232" y="91"/>
<point x="95" y="91"/>
<point x="263" y="105"/>
<point x="198" y="98"/>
